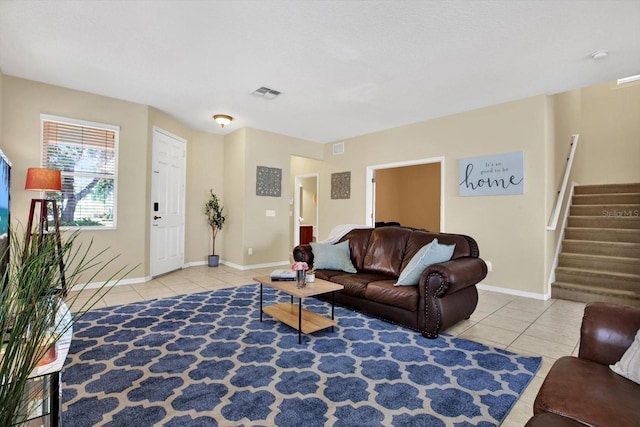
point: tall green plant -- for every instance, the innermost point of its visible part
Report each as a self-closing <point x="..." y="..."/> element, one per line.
<point x="215" y="218"/>
<point x="31" y="309"/>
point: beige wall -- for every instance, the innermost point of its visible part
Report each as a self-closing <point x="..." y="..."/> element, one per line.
<point x="607" y="118"/>
<point x="269" y="236"/>
<point x="23" y="102"/>
<point x="234" y="196"/>
<point x="409" y="195"/>
<point x="510" y="230"/>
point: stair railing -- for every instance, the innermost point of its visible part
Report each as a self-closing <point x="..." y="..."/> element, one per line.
<point x="553" y="221"/>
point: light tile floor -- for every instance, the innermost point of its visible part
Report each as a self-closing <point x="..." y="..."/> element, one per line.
<point x="550" y="329"/>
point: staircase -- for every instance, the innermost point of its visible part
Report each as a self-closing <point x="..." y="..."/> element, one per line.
<point x="600" y="258"/>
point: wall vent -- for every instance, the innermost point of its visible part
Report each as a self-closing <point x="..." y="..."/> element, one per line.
<point x="338" y="148"/>
<point x="266" y="93"/>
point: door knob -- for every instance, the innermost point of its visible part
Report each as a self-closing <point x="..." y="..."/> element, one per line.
<point x="156" y="217"/>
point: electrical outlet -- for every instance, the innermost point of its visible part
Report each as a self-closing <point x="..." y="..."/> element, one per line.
<point x="489" y="265"/>
<point x="250" y="251"/>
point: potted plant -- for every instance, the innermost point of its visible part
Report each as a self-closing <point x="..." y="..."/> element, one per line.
<point x="215" y="218"/>
<point x="31" y="313"/>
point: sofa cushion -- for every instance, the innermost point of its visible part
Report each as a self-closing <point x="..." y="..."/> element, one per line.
<point x="431" y="253"/>
<point x="573" y="385"/>
<point x="386" y="250"/>
<point x="629" y="365"/>
<point x="358" y="242"/>
<point x="356" y="284"/>
<point x="384" y="292"/>
<point x="332" y="257"/>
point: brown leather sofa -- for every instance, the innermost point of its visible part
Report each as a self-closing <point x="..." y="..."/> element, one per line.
<point x="445" y="294"/>
<point x="583" y="390"/>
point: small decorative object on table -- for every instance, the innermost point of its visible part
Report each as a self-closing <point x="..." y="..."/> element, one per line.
<point x="311" y="276"/>
<point x="300" y="268"/>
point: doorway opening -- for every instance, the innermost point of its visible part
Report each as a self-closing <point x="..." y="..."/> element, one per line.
<point x="305" y="209"/>
<point x="410" y="193"/>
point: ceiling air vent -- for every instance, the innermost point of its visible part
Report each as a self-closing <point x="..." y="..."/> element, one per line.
<point x="266" y="93"/>
<point x="338" y="148"/>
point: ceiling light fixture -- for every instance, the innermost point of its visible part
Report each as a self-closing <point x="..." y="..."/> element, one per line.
<point x="222" y="119"/>
<point x="601" y="54"/>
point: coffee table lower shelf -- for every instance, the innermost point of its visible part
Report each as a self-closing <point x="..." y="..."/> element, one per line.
<point x="287" y="313"/>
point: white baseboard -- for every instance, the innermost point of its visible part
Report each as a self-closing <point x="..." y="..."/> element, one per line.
<point x="111" y="283"/>
<point x="252" y="266"/>
<point x="515" y="292"/>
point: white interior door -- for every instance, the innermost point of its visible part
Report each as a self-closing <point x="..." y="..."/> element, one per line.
<point x="167" y="202"/>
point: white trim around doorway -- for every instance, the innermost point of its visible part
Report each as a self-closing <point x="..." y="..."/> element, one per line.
<point x="370" y="200"/>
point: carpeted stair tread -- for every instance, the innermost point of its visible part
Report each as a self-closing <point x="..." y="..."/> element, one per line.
<point x="610" y="210"/>
<point x="591" y="247"/>
<point x="608" y="188"/>
<point x="614" y="264"/>
<point x="602" y="273"/>
<point x="580" y="276"/>
<point x="586" y="293"/>
<point x="603" y="234"/>
<point x="608" y="222"/>
<point x="599" y="199"/>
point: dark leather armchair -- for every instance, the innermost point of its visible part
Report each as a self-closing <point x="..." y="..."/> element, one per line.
<point x="583" y="390"/>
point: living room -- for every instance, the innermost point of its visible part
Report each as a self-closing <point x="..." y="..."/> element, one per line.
<point x="511" y="230"/>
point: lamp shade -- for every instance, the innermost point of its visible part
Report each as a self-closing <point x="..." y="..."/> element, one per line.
<point x="40" y="179"/>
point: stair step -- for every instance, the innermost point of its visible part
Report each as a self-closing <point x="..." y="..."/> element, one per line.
<point x="621" y="281"/>
<point x="606" y="199"/>
<point x="620" y="222"/>
<point x="600" y="258"/>
<point x="615" y="249"/>
<point x="602" y="234"/>
<point x="586" y="293"/>
<point x="623" y="210"/>
<point x="611" y="264"/>
<point x="607" y="188"/>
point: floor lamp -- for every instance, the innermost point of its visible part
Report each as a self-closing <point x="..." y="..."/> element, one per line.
<point x="40" y="179"/>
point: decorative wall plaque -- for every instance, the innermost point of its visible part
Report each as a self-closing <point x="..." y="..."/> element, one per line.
<point x="268" y="181"/>
<point x="341" y="185"/>
<point x="499" y="174"/>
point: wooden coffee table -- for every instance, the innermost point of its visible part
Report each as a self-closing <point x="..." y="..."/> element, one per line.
<point x="294" y="315"/>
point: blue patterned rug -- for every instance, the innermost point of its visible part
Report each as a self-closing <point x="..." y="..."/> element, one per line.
<point x="206" y="360"/>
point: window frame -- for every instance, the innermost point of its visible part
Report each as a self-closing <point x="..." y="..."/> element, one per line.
<point x="116" y="149"/>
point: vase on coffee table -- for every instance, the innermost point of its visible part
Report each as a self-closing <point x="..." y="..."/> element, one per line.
<point x="301" y="278"/>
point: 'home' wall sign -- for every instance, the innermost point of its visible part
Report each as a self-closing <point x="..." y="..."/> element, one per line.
<point x="495" y="175"/>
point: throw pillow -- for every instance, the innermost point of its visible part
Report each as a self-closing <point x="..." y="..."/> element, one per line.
<point x="629" y="365"/>
<point x="431" y="253"/>
<point x="332" y="257"/>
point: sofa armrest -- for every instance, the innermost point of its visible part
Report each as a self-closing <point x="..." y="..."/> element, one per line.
<point x="607" y="331"/>
<point x="303" y="253"/>
<point x="455" y="275"/>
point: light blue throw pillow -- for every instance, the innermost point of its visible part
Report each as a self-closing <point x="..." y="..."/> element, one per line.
<point x="332" y="257"/>
<point x="431" y="253"/>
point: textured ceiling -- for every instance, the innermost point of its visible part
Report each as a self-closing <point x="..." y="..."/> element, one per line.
<point x="345" y="68"/>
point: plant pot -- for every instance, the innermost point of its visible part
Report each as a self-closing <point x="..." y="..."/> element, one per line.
<point x="214" y="260"/>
